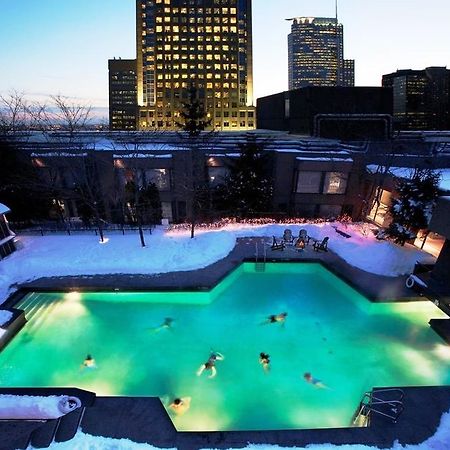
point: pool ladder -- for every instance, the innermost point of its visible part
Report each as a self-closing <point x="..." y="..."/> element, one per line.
<point x="260" y="265"/>
<point x="385" y="402"/>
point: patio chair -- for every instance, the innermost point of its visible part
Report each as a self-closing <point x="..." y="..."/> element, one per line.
<point x="303" y="235"/>
<point x="277" y="245"/>
<point x="288" y="238"/>
<point x="321" y="245"/>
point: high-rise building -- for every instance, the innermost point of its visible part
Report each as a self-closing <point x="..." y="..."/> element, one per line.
<point x="348" y="73"/>
<point x="316" y="53"/>
<point x="421" y="98"/>
<point x="206" y="44"/>
<point x="122" y="94"/>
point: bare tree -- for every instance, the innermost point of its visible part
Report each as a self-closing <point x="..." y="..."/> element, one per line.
<point x="134" y="193"/>
<point x="14" y="115"/>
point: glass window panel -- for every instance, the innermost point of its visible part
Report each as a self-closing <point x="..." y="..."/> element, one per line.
<point x="309" y="182"/>
<point x="335" y="183"/>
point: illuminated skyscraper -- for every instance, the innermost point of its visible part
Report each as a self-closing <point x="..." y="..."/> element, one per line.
<point x="316" y="53"/>
<point x="203" y="43"/>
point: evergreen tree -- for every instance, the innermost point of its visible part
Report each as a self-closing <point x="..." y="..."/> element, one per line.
<point x="248" y="189"/>
<point x="193" y="115"/>
<point x="194" y="121"/>
<point x="411" y="210"/>
<point x="20" y="187"/>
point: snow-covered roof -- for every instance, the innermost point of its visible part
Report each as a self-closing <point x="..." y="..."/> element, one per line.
<point x="4" y="209"/>
<point x="330" y="159"/>
<point x="142" y="155"/>
<point x="408" y="172"/>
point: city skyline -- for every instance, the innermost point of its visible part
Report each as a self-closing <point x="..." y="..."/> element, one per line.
<point x="51" y="49"/>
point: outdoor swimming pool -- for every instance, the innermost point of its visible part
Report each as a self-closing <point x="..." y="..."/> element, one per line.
<point x="331" y="331"/>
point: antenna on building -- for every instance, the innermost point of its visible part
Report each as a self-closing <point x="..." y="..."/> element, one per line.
<point x="338" y="53"/>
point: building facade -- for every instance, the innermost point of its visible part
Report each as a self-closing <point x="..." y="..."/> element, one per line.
<point x="123" y="111"/>
<point x="421" y="98"/>
<point x="204" y="44"/>
<point x="316" y="54"/>
<point x="348" y="113"/>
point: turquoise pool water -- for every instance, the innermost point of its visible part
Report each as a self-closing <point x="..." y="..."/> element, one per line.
<point x="331" y="331"/>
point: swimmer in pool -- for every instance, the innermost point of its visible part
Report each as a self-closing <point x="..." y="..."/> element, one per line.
<point x="180" y="405"/>
<point x="276" y="318"/>
<point x="89" y="362"/>
<point x="211" y="364"/>
<point x="314" y="381"/>
<point x="166" y="325"/>
<point x="264" y="360"/>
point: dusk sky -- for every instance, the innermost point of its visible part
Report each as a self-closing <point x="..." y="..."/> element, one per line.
<point x="62" y="46"/>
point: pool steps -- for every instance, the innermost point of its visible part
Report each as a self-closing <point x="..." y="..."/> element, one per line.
<point x="387" y="402"/>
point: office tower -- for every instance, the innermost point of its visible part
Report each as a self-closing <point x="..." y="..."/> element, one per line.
<point x="421" y="98"/>
<point x="206" y="44"/>
<point x="316" y="53"/>
<point x="348" y="73"/>
<point x="122" y="94"/>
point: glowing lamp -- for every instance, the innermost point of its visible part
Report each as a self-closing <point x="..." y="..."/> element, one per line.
<point x="300" y="245"/>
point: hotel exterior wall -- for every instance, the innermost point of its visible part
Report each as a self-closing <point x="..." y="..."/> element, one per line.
<point x="287" y="200"/>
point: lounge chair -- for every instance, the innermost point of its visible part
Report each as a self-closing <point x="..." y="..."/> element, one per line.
<point x="288" y="239"/>
<point x="277" y="245"/>
<point x="321" y="245"/>
<point x="303" y="235"/>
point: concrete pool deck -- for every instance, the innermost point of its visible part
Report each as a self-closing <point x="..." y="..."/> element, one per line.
<point x="144" y="420"/>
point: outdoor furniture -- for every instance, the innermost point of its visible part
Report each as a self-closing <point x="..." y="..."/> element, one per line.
<point x="321" y="245"/>
<point x="303" y="235"/>
<point x="277" y="245"/>
<point x="288" y="238"/>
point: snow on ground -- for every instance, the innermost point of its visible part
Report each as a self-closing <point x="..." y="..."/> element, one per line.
<point x="82" y="441"/>
<point x="175" y="251"/>
<point x="361" y="250"/>
<point x="5" y="315"/>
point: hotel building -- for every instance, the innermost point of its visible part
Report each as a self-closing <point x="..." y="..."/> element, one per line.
<point x="206" y="44"/>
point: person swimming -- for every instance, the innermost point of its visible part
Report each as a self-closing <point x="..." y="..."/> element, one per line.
<point x="211" y="364"/>
<point x="166" y="325"/>
<point x="89" y="362"/>
<point x="276" y="318"/>
<point x="264" y="360"/>
<point x="314" y="381"/>
<point x="180" y="405"/>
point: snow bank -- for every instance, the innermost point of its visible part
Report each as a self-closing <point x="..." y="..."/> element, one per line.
<point x="33" y="407"/>
<point x="81" y="441"/>
<point x="5" y="316"/>
<point x="174" y="251"/>
<point x="361" y="250"/>
<point x="83" y="255"/>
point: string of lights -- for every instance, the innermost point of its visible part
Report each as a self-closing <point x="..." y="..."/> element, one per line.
<point x="229" y="221"/>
